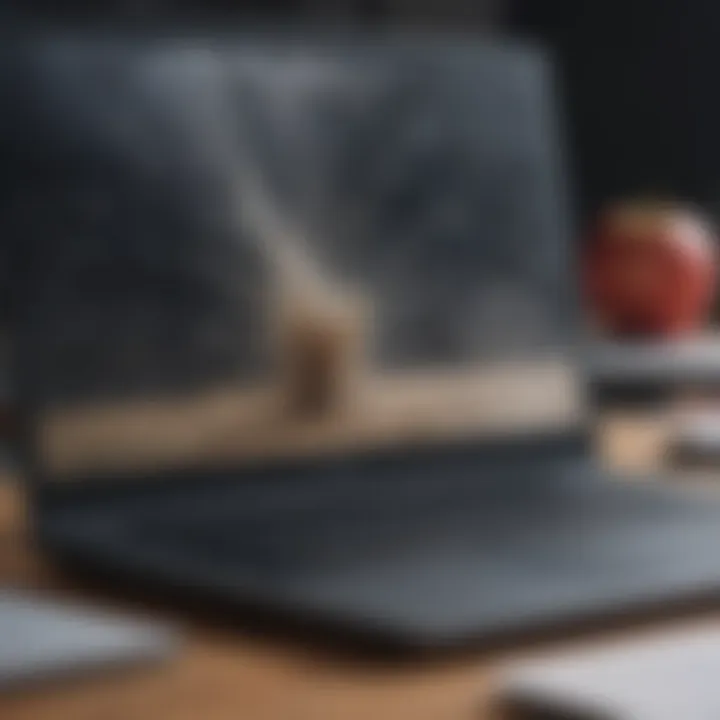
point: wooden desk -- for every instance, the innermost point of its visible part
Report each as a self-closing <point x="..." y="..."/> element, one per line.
<point x="223" y="675"/>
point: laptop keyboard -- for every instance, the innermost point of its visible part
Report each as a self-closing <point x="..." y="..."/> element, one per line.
<point x="508" y="520"/>
<point x="335" y="531"/>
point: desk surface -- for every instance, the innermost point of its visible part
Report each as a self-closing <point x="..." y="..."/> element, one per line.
<point x="225" y="675"/>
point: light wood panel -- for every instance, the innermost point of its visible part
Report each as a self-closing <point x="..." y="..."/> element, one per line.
<point x="241" y="423"/>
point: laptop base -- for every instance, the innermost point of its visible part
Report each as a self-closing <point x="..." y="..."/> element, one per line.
<point x="419" y="553"/>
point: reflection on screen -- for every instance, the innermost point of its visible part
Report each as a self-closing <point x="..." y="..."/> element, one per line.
<point x="277" y="248"/>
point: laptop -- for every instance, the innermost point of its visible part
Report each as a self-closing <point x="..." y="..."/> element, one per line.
<point x="296" y="330"/>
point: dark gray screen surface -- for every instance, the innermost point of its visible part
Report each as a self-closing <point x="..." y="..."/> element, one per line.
<point x="425" y="172"/>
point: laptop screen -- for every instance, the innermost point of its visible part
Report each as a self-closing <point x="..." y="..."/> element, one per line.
<point x="265" y="247"/>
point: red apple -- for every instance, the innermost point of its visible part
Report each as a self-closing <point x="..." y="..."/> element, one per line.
<point x="650" y="270"/>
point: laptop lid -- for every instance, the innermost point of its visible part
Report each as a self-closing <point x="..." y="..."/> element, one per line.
<point x="277" y="246"/>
